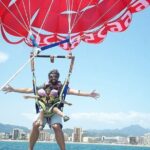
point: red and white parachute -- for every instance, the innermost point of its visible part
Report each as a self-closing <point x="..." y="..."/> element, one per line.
<point x="51" y="21"/>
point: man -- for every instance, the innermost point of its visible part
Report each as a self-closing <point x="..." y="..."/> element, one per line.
<point x="55" y="121"/>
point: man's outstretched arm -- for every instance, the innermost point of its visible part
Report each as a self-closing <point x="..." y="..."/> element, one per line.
<point x="9" y="88"/>
<point x="92" y="94"/>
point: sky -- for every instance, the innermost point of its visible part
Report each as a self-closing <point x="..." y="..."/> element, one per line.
<point x="118" y="69"/>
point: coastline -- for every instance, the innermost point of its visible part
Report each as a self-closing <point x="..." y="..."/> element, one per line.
<point x="109" y="144"/>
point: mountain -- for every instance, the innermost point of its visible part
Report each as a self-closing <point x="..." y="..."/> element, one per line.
<point x="133" y="130"/>
<point x="106" y="132"/>
<point x="7" y="128"/>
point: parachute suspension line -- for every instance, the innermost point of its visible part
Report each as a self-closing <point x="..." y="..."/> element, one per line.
<point x="69" y="21"/>
<point x="76" y="14"/>
<point x="33" y="73"/>
<point x="26" y="13"/>
<point x="15" y="17"/>
<point x="45" y="17"/>
<point x="77" y="20"/>
<point x="34" y="81"/>
<point x="29" y="14"/>
<point x="23" y="66"/>
<point x="104" y="14"/>
<point x="66" y="83"/>
<point x="12" y="30"/>
<point x="21" y="14"/>
<point x="17" y="72"/>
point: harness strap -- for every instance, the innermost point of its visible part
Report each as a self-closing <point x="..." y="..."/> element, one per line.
<point x="48" y="112"/>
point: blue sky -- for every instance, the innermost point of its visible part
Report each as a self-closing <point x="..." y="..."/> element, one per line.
<point x="118" y="68"/>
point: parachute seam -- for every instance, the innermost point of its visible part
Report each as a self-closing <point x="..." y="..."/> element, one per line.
<point x="13" y="30"/>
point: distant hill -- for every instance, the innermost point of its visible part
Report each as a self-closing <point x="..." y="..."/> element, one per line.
<point x="7" y="128"/>
<point x="133" y="130"/>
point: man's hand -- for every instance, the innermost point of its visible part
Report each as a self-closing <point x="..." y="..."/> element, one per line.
<point x="94" y="95"/>
<point x="8" y="89"/>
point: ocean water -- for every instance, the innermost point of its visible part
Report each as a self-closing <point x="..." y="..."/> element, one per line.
<point x="54" y="146"/>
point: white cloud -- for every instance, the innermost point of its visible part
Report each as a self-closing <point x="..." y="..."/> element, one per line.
<point x="102" y="120"/>
<point x="113" y="119"/>
<point x="3" y="57"/>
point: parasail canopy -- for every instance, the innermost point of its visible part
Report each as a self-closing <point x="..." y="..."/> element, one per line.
<point x="51" y="21"/>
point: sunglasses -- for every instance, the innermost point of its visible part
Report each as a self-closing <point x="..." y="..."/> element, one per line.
<point x="53" y="76"/>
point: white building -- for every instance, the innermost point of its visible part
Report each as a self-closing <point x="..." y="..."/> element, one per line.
<point x="147" y="139"/>
<point x="44" y="136"/>
<point x="88" y="139"/>
<point x="4" y="135"/>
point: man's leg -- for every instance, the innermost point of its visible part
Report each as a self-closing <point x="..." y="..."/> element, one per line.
<point x="34" y="135"/>
<point x="59" y="136"/>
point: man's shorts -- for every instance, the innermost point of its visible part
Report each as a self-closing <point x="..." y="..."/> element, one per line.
<point x="55" y="119"/>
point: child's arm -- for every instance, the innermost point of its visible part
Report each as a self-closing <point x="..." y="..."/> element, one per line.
<point x="65" y="102"/>
<point x="30" y="96"/>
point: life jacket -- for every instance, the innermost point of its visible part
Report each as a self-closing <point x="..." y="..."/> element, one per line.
<point x="46" y="103"/>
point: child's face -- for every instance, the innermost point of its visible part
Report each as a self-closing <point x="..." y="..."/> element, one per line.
<point x="47" y="91"/>
<point x="54" y="93"/>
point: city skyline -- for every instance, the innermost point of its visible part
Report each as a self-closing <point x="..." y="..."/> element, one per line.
<point x="132" y="129"/>
<point x="77" y="136"/>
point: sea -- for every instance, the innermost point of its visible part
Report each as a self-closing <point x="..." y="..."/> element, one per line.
<point x="6" y="145"/>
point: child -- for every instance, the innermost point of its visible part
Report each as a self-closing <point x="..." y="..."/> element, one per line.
<point x="48" y="105"/>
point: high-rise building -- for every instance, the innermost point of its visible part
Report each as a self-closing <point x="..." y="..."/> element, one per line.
<point x="16" y="134"/>
<point x="77" y="135"/>
<point x="133" y="140"/>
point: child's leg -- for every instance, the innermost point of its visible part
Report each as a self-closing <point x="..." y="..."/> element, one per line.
<point x="57" y="111"/>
